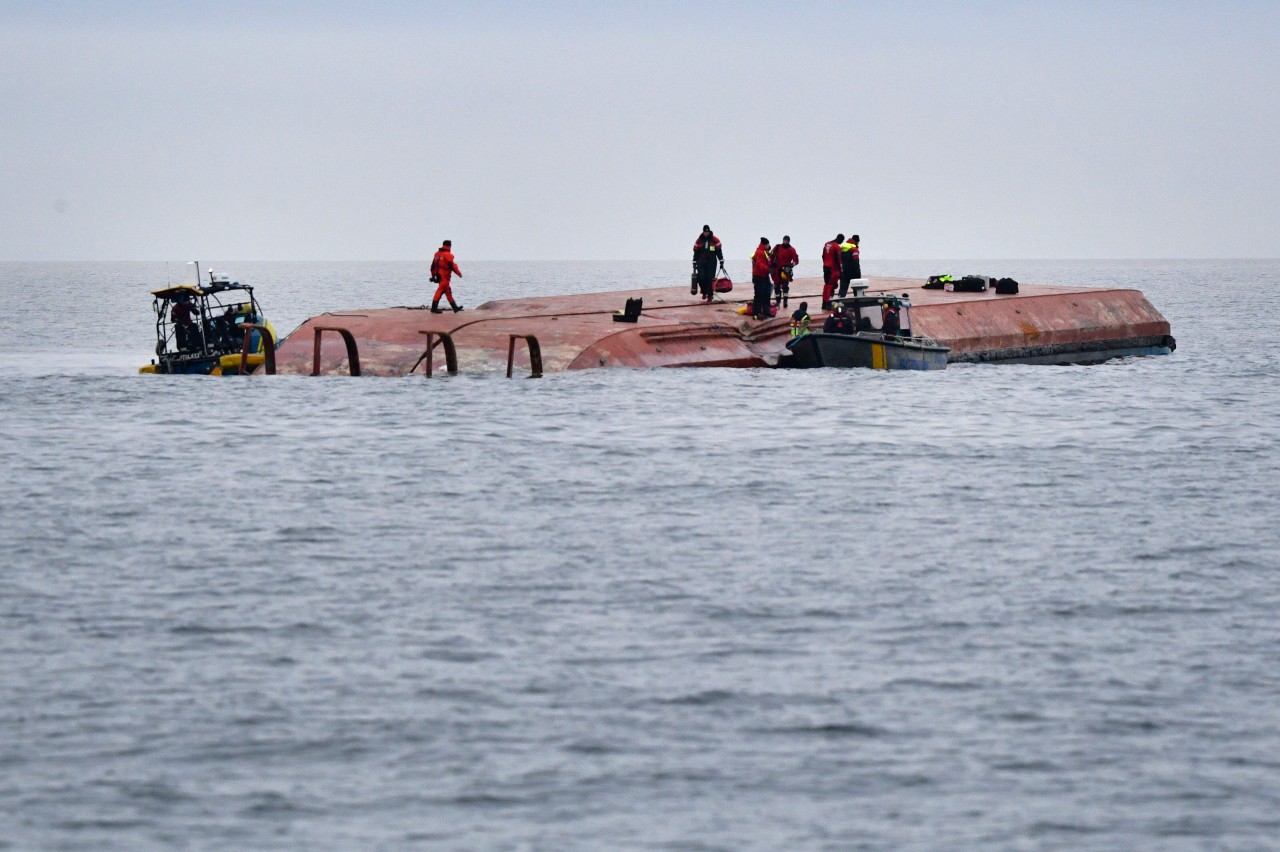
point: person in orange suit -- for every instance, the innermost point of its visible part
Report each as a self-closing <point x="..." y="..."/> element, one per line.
<point x="785" y="258"/>
<point x="444" y="268"/>
<point x="761" y="262"/>
<point x="830" y="269"/>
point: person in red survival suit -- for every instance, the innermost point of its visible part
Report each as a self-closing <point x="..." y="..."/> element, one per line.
<point x="761" y="262"/>
<point x="830" y="269"/>
<point x="442" y="269"/>
<point x="183" y="316"/>
<point x="707" y="252"/>
<point x="890" y="323"/>
<point x="785" y="258"/>
<point x="838" y="322"/>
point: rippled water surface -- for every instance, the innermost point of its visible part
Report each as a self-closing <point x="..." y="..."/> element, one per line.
<point x="1004" y="606"/>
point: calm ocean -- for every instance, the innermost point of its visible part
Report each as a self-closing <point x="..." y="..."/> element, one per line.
<point x="993" y="606"/>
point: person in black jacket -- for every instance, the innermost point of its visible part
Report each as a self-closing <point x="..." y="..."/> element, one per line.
<point x="850" y="263"/>
<point x="707" y="254"/>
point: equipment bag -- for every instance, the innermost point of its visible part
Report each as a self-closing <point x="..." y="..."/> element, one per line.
<point x="631" y="312"/>
<point x="1006" y="286"/>
<point x="971" y="284"/>
<point x="723" y="284"/>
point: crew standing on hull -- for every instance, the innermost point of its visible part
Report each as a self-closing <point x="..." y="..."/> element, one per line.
<point x="850" y="264"/>
<point x="785" y="259"/>
<point x="707" y="254"/>
<point x="830" y="269"/>
<point x="443" y="268"/>
<point x="761" y="261"/>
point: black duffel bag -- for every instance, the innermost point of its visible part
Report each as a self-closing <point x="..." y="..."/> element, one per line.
<point x="971" y="284"/>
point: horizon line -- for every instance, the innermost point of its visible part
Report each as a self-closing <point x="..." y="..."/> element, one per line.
<point x="656" y="260"/>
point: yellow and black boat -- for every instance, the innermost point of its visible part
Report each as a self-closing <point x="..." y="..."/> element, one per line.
<point x="212" y="329"/>
<point x="878" y="335"/>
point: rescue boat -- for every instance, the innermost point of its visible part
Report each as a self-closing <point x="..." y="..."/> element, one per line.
<point x="880" y="339"/>
<point x="212" y="328"/>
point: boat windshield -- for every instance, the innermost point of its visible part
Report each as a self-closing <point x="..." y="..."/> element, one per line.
<point x="870" y="314"/>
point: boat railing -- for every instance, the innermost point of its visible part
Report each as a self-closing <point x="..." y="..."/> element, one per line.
<point x="535" y="354"/>
<point x="923" y="339"/>
<point x="917" y="339"/>
<point x="268" y="348"/>
<point x="450" y="352"/>
<point x="353" y="353"/>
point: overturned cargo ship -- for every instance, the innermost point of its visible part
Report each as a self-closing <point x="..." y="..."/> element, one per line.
<point x="667" y="327"/>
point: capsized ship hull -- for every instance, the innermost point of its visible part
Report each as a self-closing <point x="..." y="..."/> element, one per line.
<point x="573" y="332"/>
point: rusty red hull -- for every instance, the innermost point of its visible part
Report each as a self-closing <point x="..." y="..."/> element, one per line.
<point x="573" y="332"/>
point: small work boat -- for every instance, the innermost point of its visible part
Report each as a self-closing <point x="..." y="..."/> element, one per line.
<point x="213" y="329"/>
<point x="878" y="336"/>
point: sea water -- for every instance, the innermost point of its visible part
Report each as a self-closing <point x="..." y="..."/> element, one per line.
<point x="1008" y="606"/>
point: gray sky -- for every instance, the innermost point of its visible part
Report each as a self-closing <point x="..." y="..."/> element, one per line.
<point x="319" y="130"/>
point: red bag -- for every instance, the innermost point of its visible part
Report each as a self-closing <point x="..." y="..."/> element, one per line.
<point x="723" y="284"/>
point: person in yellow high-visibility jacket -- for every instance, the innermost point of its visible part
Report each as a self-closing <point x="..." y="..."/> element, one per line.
<point x="850" y="263"/>
<point x="800" y="320"/>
